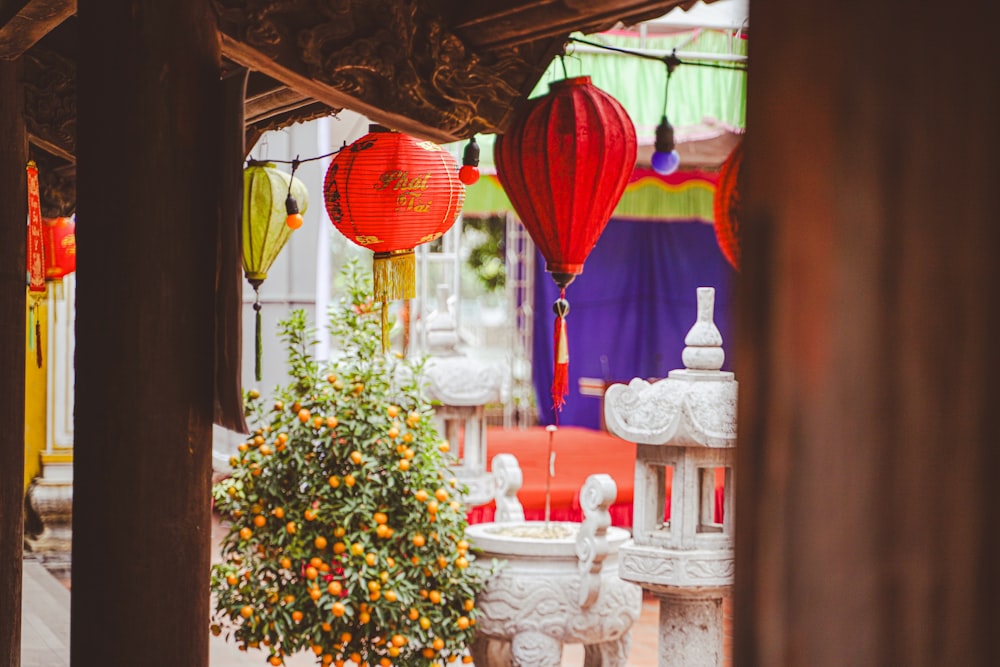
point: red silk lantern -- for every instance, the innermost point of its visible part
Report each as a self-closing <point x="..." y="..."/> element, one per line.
<point x="727" y="206"/>
<point x="390" y="192"/>
<point x="564" y="164"/>
<point x="60" y="247"/>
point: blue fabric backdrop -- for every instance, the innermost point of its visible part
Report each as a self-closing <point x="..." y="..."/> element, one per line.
<point x="629" y="310"/>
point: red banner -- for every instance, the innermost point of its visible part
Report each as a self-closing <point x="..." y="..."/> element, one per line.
<point x="36" y="246"/>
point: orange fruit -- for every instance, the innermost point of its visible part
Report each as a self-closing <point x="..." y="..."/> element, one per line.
<point x="444" y="446"/>
<point x="331" y="378"/>
<point x="311" y="572"/>
<point x="296" y="615"/>
<point x="339" y="531"/>
<point x="441" y="495"/>
<point x="317" y="649"/>
<point x="428" y="652"/>
<point x="304" y="415"/>
<point x="409" y="453"/>
<point x="309" y="514"/>
<point x="242" y="447"/>
<point x="370" y="559"/>
<point x="318" y="422"/>
<point x="404" y="465"/>
<point x="315" y="593"/>
<point x="364" y="617"/>
<point x="380" y="517"/>
<point x="290" y="527"/>
<point x="419" y="540"/>
<point x="407" y="437"/>
<point x="289" y="599"/>
<point x="279" y="406"/>
<point x="461" y="562"/>
<point x="339" y="548"/>
<point x="265" y="450"/>
<point x="349" y="480"/>
<point x="331" y="422"/>
<point x="278" y="512"/>
<point x="259" y="520"/>
<point x="282" y="438"/>
<point x="469" y="604"/>
<point x="462" y="622"/>
<point x="393" y="432"/>
<point x="334" y="481"/>
<point x="320" y="542"/>
<point x="357" y="549"/>
<point x="316" y="562"/>
<point x="258" y="440"/>
<point x="421" y="495"/>
<point x="438" y="644"/>
<point x="246" y="612"/>
<point x="232" y="579"/>
<point x="275" y="660"/>
<point x="390" y="596"/>
<point x="286" y="563"/>
<point x="425" y="622"/>
<point x="245" y="533"/>
<point x="435" y="597"/>
<point x="432" y="507"/>
<point x="392" y="411"/>
<point x="334" y="588"/>
<point x="356" y="457"/>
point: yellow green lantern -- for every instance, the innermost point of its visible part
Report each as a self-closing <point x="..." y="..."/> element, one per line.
<point x="269" y="198"/>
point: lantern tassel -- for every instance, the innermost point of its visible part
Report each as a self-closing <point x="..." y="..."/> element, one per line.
<point x="385" y="327"/>
<point x="258" y="342"/>
<point x="560" y="373"/>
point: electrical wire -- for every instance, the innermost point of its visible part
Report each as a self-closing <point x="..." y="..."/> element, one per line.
<point x="669" y="60"/>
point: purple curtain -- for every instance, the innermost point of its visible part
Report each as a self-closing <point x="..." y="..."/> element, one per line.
<point x="629" y="310"/>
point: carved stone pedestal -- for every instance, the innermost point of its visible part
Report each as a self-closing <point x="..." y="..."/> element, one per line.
<point x="52" y="502"/>
<point x="558" y="584"/>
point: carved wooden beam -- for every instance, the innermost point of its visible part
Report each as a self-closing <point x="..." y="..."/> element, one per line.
<point x="50" y="102"/>
<point x="21" y="27"/>
<point x="394" y="62"/>
<point x="502" y="25"/>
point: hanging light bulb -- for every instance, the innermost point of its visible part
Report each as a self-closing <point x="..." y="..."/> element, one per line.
<point x="469" y="173"/>
<point x="665" y="158"/>
<point x="294" y="219"/>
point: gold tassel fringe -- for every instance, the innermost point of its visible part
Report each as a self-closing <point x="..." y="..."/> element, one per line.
<point x="395" y="275"/>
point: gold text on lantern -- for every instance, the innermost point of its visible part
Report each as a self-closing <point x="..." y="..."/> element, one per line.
<point x="400" y="179"/>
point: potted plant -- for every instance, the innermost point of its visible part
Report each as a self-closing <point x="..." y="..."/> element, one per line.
<point x="346" y="534"/>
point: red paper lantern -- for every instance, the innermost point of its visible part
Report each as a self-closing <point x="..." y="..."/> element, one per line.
<point x="60" y="247"/>
<point x="564" y="164"/>
<point x="390" y="192"/>
<point x="727" y="205"/>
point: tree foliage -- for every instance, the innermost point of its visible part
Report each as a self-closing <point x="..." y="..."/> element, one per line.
<point x="346" y="534"/>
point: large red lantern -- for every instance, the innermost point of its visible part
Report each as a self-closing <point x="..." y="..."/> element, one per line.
<point x="390" y="192"/>
<point x="564" y="164"/>
<point x="727" y="206"/>
<point x="60" y="247"/>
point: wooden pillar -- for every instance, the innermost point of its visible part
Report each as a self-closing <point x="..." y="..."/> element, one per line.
<point x="13" y="242"/>
<point x="867" y="337"/>
<point x="148" y="184"/>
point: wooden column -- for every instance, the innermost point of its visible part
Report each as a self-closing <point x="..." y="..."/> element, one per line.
<point x="148" y="209"/>
<point x="867" y="338"/>
<point x="13" y="242"/>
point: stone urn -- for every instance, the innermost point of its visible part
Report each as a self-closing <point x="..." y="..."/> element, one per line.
<point x="555" y="583"/>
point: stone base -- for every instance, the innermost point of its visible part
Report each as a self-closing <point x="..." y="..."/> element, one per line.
<point x="52" y="502"/>
<point x="651" y="566"/>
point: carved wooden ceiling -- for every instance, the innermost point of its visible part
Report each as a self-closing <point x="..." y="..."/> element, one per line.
<point x="439" y="69"/>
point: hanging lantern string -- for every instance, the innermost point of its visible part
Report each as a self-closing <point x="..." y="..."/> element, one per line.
<point x="671" y="66"/>
<point x="670" y="59"/>
<point x="258" y="341"/>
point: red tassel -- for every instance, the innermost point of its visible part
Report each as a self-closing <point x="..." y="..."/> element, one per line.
<point x="560" y="373"/>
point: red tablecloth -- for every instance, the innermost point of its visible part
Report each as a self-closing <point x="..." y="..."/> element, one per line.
<point x="580" y="452"/>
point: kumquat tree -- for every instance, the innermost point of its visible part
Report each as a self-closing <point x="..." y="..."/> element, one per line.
<point x="346" y="532"/>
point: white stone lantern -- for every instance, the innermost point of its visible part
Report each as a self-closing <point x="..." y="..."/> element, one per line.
<point x="684" y="425"/>
<point x="461" y="386"/>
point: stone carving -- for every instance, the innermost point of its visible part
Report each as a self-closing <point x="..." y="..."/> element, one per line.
<point x="558" y="583"/>
<point x="507" y="481"/>
<point x="596" y="496"/>
<point x="393" y="55"/>
<point x="685" y="413"/>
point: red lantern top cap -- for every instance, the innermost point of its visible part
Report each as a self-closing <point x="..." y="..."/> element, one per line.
<point x="572" y="81"/>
